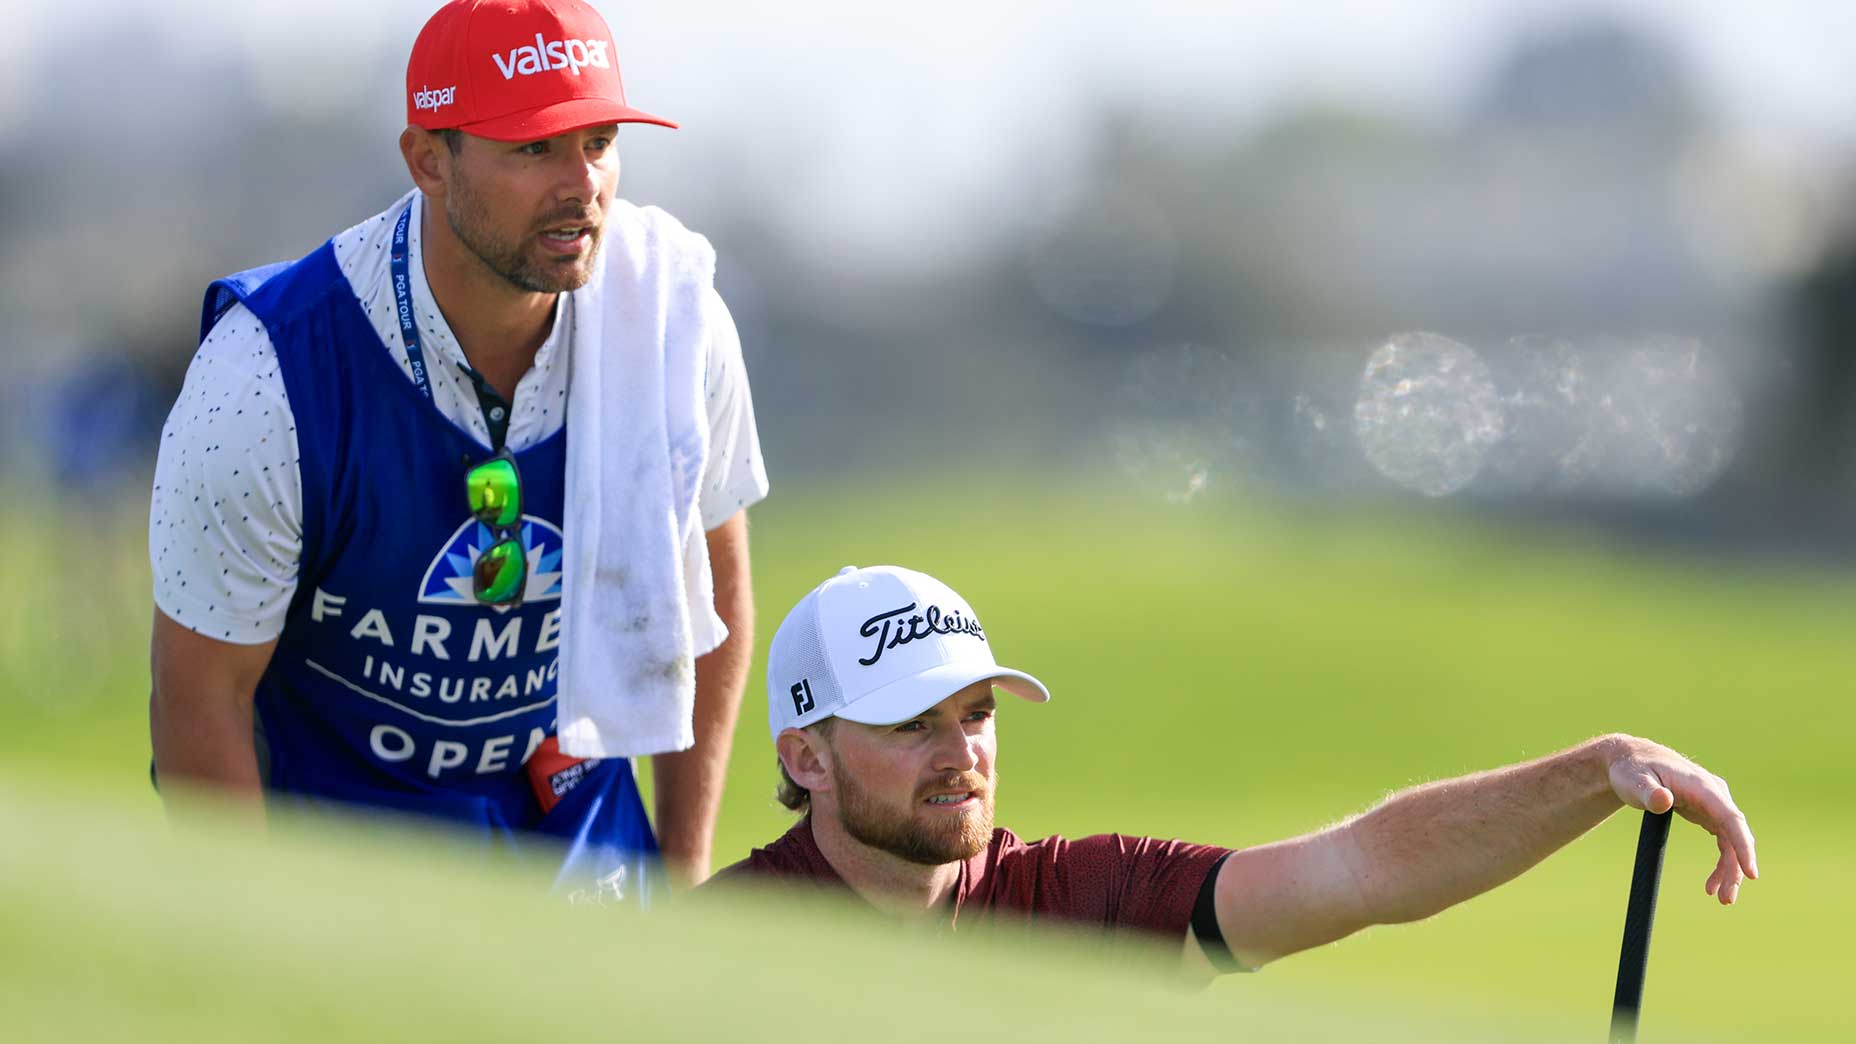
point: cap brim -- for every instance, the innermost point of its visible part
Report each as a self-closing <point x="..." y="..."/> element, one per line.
<point x="559" y="118"/>
<point x="904" y="698"/>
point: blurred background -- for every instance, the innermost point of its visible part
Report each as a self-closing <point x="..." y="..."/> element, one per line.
<point x="1164" y="244"/>
<point x="1322" y="395"/>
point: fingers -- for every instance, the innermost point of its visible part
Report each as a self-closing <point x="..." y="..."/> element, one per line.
<point x="1657" y="779"/>
<point x="1741" y="837"/>
<point x="1724" y="882"/>
<point x="1706" y="802"/>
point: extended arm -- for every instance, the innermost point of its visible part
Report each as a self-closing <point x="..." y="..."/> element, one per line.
<point x="1433" y="846"/>
<point x="689" y="783"/>
<point x="200" y="711"/>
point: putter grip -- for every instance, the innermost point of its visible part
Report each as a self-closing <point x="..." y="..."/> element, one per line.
<point x="1635" y="955"/>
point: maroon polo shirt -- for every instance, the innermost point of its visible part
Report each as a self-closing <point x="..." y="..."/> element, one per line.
<point x="1110" y="881"/>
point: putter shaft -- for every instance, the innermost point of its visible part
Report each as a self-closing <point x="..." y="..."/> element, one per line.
<point x="1634" y="958"/>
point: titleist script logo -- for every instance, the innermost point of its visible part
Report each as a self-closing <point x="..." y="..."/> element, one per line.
<point x="427" y="98"/>
<point x="548" y="55"/>
<point x="892" y="629"/>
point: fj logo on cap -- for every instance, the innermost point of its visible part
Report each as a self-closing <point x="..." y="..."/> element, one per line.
<point x="428" y="99"/>
<point x="802" y="697"/>
<point x="547" y="55"/>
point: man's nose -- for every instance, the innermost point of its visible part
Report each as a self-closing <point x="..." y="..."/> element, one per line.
<point x="956" y="751"/>
<point x="579" y="178"/>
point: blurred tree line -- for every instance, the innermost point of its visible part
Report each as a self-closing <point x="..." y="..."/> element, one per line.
<point x="1187" y="298"/>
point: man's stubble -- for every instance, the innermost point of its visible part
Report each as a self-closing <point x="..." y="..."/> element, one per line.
<point x="468" y="214"/>
<point x="869" y="821"/>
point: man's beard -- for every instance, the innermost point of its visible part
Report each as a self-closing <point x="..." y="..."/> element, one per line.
<point x="898" y="833"/>
<point x="469" y="218"/>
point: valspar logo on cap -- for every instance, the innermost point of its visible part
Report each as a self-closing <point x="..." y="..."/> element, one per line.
<point x="548" y="55"/>
<point x="427" y="99"/>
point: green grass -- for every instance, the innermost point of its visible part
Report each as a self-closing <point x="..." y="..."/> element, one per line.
<point x="125" y="931"/>
<point x="1221" y="673"/>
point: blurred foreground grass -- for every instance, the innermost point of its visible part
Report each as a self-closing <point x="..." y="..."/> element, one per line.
<point x="123" y="931"/>
<point x="1222" y="674"/>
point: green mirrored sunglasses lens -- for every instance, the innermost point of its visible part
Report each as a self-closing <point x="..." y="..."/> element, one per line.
<point x="500" y="572"/>
<point x="495" y="492"/>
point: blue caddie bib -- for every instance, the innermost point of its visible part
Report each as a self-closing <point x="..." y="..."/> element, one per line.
<point x="391" y="687"/>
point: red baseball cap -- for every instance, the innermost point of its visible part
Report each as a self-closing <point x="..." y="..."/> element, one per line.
<point x="517" y="70"/>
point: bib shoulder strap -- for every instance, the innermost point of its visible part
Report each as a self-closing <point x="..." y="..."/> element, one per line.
<point x="233" y="289"/>
<point x="275" y="292"/>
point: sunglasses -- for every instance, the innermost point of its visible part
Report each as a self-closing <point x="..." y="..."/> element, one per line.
<point x="495" y="491"/>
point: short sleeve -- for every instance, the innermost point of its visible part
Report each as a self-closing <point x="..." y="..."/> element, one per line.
<point x="1139" y="883"/>
<point x="225" y="534"/>
<point x="735" y="477"/>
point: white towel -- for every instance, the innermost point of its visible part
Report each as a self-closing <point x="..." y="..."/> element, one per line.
<point x="638" y="600"/>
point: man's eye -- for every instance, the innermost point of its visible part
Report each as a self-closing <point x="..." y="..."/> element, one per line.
<point x="533" y="148"/>
<point x="911" y="726"/>
<point x="599" y="144"/>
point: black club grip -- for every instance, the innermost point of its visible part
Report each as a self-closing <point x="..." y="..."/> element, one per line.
<point x="1635" y="955"/>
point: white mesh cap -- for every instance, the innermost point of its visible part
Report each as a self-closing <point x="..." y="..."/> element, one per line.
<point x="879" y="645"/>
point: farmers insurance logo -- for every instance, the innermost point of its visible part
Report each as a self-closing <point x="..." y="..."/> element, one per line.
<point x="448" y="579"/>
<point x="548" y="55"/>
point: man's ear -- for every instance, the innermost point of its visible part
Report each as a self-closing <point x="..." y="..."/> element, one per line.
<point x="807" y="758"/>
<point x="428" y="160"/>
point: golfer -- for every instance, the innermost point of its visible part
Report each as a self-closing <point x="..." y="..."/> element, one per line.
<point x="449" y="518"/>
<point x="881" y="682"/>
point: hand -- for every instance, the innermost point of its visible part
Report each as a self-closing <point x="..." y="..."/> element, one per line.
<point x="1650" y="776"/>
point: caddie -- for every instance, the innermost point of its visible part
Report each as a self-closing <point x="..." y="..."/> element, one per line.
<point x="449" y="517"/>
<point x="881" y="685"/>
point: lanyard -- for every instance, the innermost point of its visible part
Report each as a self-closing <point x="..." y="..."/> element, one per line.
<point x="402" y="303"/>
<point x="495" y="409"/>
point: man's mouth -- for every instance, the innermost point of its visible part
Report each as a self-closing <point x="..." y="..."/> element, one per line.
<point x="953" y="799"/>
<point x="568" y="239"/>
